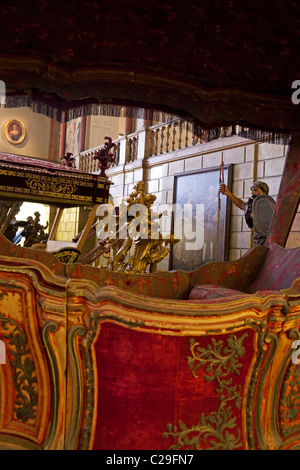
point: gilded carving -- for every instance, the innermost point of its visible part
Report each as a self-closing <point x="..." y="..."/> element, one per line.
<point x="24" y="373"/>
<point x="253" y="384"/>
<point x="15" y="131"/>
<point x="46" y="185"/>
<point x="67" y="256"/>
<point x="289" y="409"/>
<point x="293" y="394"/>
<point x="75" y="395"/>
<point x="51" y="327"/>
<point x="137" y="250"/>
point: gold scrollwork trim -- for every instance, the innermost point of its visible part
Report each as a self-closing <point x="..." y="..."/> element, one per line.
<point x="67" y="256"/>
<point x="24" y="372"/>
<point x="43" y="186"/>
<point x="260" y="328"/>
<point x="9" y="442"/>
<point x="272" y="340"/>
<point x="51" y="327"/>
<point x="74" y="370"/>
<point x="289" y="397"/>
<point x="220" y="363"/>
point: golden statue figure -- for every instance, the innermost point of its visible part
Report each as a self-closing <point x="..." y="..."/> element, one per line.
<point x="143" y="246"/>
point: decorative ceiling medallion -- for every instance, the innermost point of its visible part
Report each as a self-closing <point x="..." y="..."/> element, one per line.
<point x="15" y="131"/>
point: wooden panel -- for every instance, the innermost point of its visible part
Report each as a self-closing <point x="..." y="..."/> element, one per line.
<point x="32" y="378"/>
<point x="96" y="363"/>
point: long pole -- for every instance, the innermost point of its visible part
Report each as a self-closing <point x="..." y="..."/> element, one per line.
<point x="221" y="180"/>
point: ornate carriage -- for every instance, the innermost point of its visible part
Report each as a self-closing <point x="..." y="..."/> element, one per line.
<point x="99" y="359"/>
<point x="107" y="360"/>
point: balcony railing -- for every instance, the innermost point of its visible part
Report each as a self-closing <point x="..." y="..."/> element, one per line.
<point x="143" y="143"/>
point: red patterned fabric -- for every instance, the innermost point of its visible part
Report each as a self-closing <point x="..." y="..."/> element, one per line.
<point x="146" y="387"/>
<point x="280" y="269"/>
<point x="212" y="292"/>
<point x="36" y="163"/>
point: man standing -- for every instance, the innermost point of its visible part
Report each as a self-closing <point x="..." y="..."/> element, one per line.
<point x="258" y="188"/>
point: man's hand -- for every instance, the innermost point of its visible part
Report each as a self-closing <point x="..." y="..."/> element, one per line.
<point x="236" y="200"/>
<point x="223" y="188"/>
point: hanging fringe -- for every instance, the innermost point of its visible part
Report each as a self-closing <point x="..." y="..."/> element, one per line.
<point x="241" y="131"/>
<point x="63" y="112"/>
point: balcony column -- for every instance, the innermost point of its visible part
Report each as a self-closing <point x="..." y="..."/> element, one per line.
<point x="62" y="137"/>
<point x="128" y="125"/>
<point x="52" y="155"/>
<point x="82" y="131"/>
<point x="142" y="143"/>
<point x="147" y="122"/>
<point x="123" y="150"/>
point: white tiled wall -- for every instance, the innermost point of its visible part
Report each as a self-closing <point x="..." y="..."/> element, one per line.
<point x="251" y="161"/>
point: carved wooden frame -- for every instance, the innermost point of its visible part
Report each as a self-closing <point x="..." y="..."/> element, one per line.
<point x="21" y="129"/>
<point x="267" y="380"/>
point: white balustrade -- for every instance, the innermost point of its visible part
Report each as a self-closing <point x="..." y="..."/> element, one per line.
<point x="143" y="143"/>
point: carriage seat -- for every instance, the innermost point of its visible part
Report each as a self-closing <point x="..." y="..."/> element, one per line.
<point x="279" y="270"/>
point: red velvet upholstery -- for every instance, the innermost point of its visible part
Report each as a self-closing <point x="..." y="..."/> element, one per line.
<point x="212" y="292"/>
<point x="147" y="387"/>
<point x="280" y="269"/>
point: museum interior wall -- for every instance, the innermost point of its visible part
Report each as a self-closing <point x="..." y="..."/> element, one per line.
<point x="250" y="160"/>
<point x="38" y="133"/>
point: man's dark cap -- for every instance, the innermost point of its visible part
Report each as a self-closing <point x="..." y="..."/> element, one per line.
<point x="260" y="185"/>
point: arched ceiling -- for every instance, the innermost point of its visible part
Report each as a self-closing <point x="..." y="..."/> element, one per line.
<point x="211" y="61"/>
